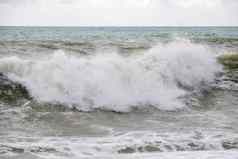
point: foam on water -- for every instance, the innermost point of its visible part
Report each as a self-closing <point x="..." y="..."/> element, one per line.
<point x="148" y="144"/>
<point x="110" y="81"/>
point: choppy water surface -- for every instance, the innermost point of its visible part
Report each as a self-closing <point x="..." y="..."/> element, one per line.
<point x="118" y="93"/>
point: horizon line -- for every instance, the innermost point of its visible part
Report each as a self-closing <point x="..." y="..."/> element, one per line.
<point x="95" y="26"/>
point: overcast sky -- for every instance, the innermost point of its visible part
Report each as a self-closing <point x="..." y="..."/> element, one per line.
<point x="119" y="12"/>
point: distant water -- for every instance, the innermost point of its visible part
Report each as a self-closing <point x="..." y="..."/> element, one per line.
<point x="117" y="92"/>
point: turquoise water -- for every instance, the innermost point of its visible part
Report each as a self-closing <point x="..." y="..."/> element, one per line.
<point x="23" y="40"/>
<point x="123" y="33"/>
<point x="117" y="92"/>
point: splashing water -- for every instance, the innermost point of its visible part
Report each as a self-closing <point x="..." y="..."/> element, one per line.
<point x="114" y="82"/>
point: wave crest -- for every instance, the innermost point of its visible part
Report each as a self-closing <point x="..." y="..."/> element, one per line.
<point x="113" y="82"/>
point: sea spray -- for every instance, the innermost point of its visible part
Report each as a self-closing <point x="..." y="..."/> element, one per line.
<point x="159" y="77"/>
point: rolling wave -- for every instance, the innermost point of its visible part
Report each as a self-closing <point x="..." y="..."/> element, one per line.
<point x="161" y="77"/>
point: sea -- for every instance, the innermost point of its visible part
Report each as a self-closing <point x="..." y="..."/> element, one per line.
<point x="118" y="92"/>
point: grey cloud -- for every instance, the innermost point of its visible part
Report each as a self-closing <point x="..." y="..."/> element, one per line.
<point x="115" y="12"/>
<point x="16" y="2"/>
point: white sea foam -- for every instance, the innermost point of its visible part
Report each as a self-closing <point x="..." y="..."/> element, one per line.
<point x="113" y="82"/>
<point x="132" y="145"/>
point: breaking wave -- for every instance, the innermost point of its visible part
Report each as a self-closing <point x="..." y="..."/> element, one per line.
<point x="159" y="77"/>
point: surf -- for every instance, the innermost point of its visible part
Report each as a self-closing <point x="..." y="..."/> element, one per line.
<point x="160" y="77"/>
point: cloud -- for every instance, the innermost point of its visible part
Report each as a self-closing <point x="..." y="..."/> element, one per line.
<point x="16" y="2"/>
<point x="119" y="12"/>
<point x="192" y="3"/>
